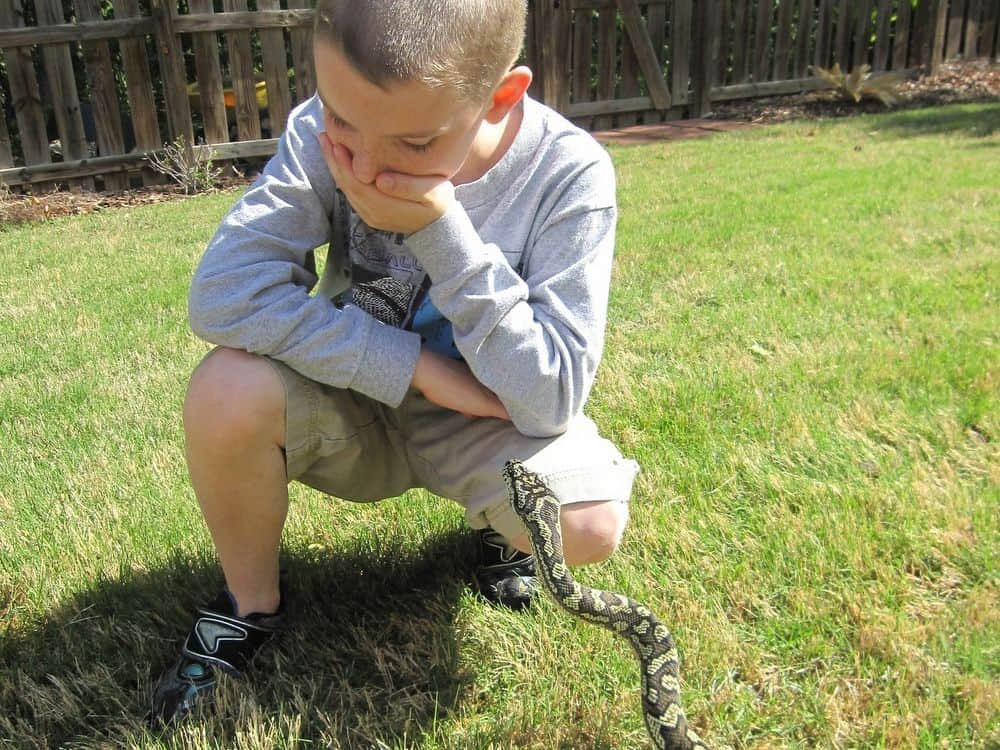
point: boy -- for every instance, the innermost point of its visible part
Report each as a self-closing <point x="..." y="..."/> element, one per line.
<point x="459" y="322"/>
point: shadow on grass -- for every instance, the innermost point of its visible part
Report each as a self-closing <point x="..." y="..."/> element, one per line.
<point x="369" y="655"/>
<point x="973" y="121"/>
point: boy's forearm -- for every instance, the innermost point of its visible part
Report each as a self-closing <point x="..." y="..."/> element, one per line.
<point x="251" y="290"/>
<point x="537" y="347"/>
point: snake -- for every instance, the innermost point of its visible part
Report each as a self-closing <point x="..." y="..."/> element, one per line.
<point x="538" y="508"/>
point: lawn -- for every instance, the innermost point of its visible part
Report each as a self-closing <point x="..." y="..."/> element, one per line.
<point x="804" y="356"/>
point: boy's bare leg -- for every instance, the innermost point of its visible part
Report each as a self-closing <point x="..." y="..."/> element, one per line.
<point x="234" y="423"/>
<point x="591" y="531"/>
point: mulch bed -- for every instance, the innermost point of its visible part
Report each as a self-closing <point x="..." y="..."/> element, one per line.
<point x="977" y="81"/>
<point x="956" y="82"/>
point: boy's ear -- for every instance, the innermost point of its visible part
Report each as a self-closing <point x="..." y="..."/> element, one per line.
<point x="508" y="93"/>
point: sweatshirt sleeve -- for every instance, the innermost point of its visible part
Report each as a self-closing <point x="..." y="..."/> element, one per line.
<point x="251" y="290"/>
<point x="534" y="338"/>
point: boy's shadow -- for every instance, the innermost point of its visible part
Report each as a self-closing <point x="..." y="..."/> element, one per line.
<point x="368" y="655"/>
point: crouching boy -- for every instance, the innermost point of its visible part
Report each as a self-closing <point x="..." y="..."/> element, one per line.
<point x="458" y="324"/>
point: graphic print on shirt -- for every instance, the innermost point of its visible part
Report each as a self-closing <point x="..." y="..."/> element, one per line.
<point x="389" y="284"/>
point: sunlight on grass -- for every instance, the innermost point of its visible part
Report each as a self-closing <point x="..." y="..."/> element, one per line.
<point x="803" y="356"/>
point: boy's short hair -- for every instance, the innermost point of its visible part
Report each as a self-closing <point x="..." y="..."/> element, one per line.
<point x="464" y="45"/>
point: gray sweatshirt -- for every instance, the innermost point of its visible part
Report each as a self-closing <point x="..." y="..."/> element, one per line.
<point x="513" y="279"/>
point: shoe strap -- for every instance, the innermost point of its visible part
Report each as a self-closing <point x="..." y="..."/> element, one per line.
<point x="227" y="641"/>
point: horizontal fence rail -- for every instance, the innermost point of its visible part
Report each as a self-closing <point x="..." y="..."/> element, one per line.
<point x="89" y="88"/>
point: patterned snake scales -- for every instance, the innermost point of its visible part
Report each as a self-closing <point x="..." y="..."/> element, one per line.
<point x="661" y="699"/>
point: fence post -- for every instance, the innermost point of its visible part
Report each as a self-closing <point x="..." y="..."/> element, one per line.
<point x="168" y="49"/>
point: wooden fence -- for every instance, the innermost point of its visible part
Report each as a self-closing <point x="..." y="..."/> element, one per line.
<point x="88" y="87"/>
<point x="618" y="62"/>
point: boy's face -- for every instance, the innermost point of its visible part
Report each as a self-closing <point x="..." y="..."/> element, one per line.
<point x="407" y="129"/>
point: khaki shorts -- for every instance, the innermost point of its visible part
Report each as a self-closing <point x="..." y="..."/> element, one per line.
<point x="355" y="448"/>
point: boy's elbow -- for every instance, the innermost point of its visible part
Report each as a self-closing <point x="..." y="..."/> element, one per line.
<point x="535" y="423"/>
<point x="202" y="316"/>
<point x="549" y="412"/>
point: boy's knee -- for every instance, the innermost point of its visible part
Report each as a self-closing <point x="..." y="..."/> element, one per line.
<point x="236" y="395"/>
<point x="592" y="531"/>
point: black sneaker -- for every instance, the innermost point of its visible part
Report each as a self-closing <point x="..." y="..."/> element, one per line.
<point x="218" y="640"/>
<point x="505" y="575"/>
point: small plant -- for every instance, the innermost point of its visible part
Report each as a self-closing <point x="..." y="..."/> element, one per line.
<point x="189" y="166"/>
<point x="860" y="83"/>
<point x="5" y="193"/>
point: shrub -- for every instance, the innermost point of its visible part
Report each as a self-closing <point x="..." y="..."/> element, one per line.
<point x="860" y="83"/>
<point x="189" y="166"/>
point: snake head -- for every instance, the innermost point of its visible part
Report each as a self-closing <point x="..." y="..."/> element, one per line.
<point x="514" y="475"/>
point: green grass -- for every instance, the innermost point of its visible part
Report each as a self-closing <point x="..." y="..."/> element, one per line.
<point x="803" y="355"/>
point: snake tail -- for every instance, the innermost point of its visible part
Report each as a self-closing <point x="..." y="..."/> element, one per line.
<point x="649" y="638"/>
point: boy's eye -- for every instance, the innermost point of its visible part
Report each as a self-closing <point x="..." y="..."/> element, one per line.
<point x="337" y="122"/>
<point x="420" y="147"/>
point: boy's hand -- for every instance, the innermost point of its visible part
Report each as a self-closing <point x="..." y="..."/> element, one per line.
<point x="449" y="383"/>
<point x="394" y="202"/>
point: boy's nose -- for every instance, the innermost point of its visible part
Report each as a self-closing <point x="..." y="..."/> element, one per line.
<point x="365" y="166"/>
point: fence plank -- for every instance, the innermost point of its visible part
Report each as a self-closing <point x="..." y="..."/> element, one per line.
<point x="842" y="45"/>
<point x="824" y="34"/>
<point x="211" y="96"/>
<point x="530" y="53"/>
<point x="561" y="30"/>
<point x="71" y="33"/>
<point x="705" y="40"/>
<point x="883" y="35"/>
<point x="583" y="42"/>
<point x="725" y="15"/>
<point x="656" y="19"/>
<point x="26" y="98"/>
<point x="807" y="10"/>
<point x="139" y="82"/>
<point x="170" y="56"/>
<point x="901" y="36"/>
<point x="103" y="92"/>
<point x="242" y="75"/>
<point x="862" y="26"/>
<point x="272" y="49"/>
<point x="6" y="152"/>
<point x="629" y="88"/>
<point x="972" y="16"/>
<point x="681" y="51"/>
<point x="302" y="61"/>
<point x="649" y="61"/>
<point x="741" y="42"/>
<point x="956" y="32"/>
<point x="62" y="83"/>
<point x="937" y="29"/>
<point x="783" y="41"/>
<point x="988" y="29"/>
<point x="244" y="20"/>
<point x="762" y="41"/>
<point x="607" y="61"/>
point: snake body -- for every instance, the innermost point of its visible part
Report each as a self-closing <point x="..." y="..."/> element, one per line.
<point x="538" y="509"/>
